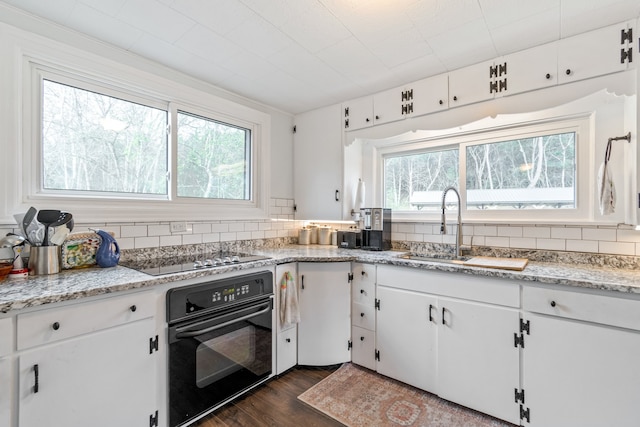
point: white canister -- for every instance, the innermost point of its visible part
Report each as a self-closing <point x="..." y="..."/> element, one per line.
<point x="324" y="236"/>
<point x="334" y="238"/>
<point x="313" y="231"/>
<point x="304" y="236"/>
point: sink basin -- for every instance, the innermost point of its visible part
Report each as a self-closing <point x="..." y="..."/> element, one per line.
<point x="441" y="259"/>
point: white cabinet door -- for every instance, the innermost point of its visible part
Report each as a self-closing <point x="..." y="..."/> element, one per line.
<point x="406" y="337"/>
<point x="470" y="84"/>
<point x="287" y="348"/>
<point x="478" y="364"/>
<point x="287" y="336"/>
<point x="318" y="169"/>
<point x="325" y="307"/>
<point x="430" y="95"/>
<point x="387" y="106"/>
<point x="592" y="54"/>
<point x="578" y="374"/>
<point x="103" y="379"/>
<point x="6" y="391"/>
<point x="532" y="69"/>
<point x="357" y="113"/>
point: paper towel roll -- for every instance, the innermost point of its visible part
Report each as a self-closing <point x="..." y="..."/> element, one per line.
<point x="360" y="195"/>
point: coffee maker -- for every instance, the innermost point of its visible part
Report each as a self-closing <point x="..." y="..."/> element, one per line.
<point x="376" y="229"/>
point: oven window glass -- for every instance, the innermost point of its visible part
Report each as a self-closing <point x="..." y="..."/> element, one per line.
<point x="223" y="355"/>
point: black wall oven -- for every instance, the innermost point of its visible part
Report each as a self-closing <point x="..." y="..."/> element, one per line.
<point x="220" y="342"/>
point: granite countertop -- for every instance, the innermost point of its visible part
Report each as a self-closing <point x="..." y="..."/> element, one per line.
<point x="74" y="284"/>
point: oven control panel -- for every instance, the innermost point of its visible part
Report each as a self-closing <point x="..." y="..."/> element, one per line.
<point x="182" y="302"/>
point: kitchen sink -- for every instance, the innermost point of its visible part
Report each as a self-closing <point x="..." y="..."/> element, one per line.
<point x="445" y="259"/>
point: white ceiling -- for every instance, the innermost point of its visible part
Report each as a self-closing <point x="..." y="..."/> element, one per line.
<point x="297" y="55"/>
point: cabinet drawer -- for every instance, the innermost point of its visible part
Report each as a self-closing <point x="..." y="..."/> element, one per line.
<point x="363" y="293"/>
<point x="607" y="310"/>
<point x="363" y="316"/>
<point x="458" y="285"/>
<point x="364" y="347"/>
<point x="55" y="324"/>
<point x="364" y="273"/>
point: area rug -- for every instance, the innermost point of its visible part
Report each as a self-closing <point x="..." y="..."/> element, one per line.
<point x="358" y="397"/>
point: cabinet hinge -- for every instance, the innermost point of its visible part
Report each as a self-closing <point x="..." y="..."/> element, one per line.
<point x="153" y="420"/>
<point x="525" y="326"/>
<point x="525" y="414"/>
<point x="626" y="55"/>
<point x="350" y="277"/>
<point x="346" y="112"/>
<point x="346" y="123"/>
<point x="153" y="344"/>
<point x="626" y="36"/>
<point x="519" y="395"/>
<point x="518" y="340"/>
<point x="349" y="345"/>
<point x="377" y="304"/>
<point x="295" y="129"/>
<point x="377" y="355"/>
<point x="295" y="208"/>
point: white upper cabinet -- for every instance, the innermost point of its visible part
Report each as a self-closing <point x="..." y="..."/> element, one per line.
<point x="429" y="95"/>
<point x="390" y="105"/>
<point x="357" y="114"/>
<point x="532" y="69"/>
<point x="317" y="166"/>
<point x="604" y="51"/>
<point x="476" y="83"/>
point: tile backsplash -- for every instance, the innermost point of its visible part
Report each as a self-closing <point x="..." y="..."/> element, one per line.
<point x="281" y="225"/>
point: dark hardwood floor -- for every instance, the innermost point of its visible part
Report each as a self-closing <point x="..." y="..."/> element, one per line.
<point x="275" y="403"/>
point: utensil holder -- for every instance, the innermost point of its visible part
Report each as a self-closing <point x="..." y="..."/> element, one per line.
<point x="44" y="260"/>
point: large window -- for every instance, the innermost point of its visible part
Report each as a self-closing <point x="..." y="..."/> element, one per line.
<point x="93" y="142"/>
<point x="96" y="142"/>
<point x="533" y="170"/>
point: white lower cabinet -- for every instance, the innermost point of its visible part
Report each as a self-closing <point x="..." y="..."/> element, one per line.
<point x="325" y="322"/>
<point x="577" y="372"/>
<point x="92" y="363"/>
<point x="363" y="315"/>
<point x="458" y="348"/>
<point x="6" y="362"/>
<point x="103" y="379"/>
<point x="286" y="335"/>
<point x="406" y="338"/>
<point x="6" y="391"/>
<point x="478" y="363"/>
<point x="580" y="374"/>
<point x="287" y="356"/>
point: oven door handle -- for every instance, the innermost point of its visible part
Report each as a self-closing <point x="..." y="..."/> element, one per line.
<point x="189" y="333"/>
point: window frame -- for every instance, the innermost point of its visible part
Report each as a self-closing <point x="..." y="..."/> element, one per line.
<point x="102" y="76"/>
<point x="439" y="140"/>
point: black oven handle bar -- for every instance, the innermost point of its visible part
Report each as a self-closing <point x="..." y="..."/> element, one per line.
<point x="183" y="333"/>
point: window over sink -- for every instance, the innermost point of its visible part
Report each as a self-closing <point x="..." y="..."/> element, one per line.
<point x="529" y="170"/>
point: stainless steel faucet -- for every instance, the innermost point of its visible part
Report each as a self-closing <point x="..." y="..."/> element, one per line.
<point x="443" y="220"/>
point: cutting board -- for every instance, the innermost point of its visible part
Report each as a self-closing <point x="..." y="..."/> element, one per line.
<point x="517" y="264"/>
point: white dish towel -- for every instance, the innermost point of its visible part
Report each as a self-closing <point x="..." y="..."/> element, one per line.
<point x="606" y="187"/>
<point x="289" y="309"/>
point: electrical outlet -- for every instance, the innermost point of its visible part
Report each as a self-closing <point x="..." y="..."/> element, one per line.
<point x="178" y="227"/>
